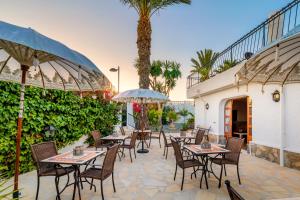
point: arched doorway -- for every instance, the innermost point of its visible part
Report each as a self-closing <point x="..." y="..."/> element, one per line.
<point x="238" y="118"/>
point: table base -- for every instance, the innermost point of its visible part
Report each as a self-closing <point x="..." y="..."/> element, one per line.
<point x="143" y="151"/>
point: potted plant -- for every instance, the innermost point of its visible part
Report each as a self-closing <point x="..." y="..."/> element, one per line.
<point x="172" y="117"/>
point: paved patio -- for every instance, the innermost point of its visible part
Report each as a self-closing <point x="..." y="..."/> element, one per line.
<point x="150" y="176"/>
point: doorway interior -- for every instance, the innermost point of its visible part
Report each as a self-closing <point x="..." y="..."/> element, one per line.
<point x="238" y="118"/>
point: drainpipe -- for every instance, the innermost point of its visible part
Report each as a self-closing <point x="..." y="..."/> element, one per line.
<point x="282" y="124"/>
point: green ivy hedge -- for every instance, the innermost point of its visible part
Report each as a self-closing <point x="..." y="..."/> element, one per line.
<point x="71" y="115"/>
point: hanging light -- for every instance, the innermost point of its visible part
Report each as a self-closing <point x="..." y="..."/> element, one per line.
<point x="35" y="61"/>
<point x="276" y="96"/>
<point x="79" y="73"/>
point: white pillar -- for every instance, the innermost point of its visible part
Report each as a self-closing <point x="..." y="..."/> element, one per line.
<point x="282" y="120"/>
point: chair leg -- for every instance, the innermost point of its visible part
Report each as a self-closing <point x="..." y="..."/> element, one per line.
<point x="167" y="153"/>
<point x="149" y="142"/>
<point x="238" y="173"/>
<point x="225" y="170"/>
<point x="175" y="172"/>
<point x="159" y="142"/>
<point x="134" y="152"/>
<point x="220" y="178"/>
<point x="92" y="181"/>
<point x="113" y="181"/>
<point x="101" y="183"/>
<point x="130" y="154"/>
<point x="182" y="179"/>
<point x="123" y="153"/>
<point x="37" y="188"/>
<point x="164" y="150"/>
<point x="81" y="183"/>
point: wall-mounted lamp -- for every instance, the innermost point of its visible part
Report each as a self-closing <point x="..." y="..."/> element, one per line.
<point x="248" y="55"/>
<point x="276" y="96"/>
<point x="207" y="106"/>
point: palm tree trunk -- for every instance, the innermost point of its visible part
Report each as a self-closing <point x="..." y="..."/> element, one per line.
<point x="144" y="49"/>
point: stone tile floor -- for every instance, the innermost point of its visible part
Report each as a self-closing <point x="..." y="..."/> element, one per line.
<point x="150" y="176"/>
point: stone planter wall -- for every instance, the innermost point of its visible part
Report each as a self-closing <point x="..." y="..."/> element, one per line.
<point x="292" y="160"/>
<point x="265" y="152"/>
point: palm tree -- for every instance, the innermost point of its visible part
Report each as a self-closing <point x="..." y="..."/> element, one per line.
<point x="226" y="65"/>
<point x="155" y="71"/>
<point x="145" y="9"/>
<point x="171" y="74"/>
<point x="204" y="63"/>
<point x="164" y="75"/>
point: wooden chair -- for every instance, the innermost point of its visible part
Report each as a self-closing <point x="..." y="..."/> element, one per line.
<point x="106" y="171"/>
<point x="235" y="146"/>
<point x="43" y="151"/>
<point x="131" y="145"/>
<point x="183" y="164"/>
<point x="155" y="135"/>
<point x="166" y="143"/>
<point x="233" y="194"/>
<point x="98" y="143"/>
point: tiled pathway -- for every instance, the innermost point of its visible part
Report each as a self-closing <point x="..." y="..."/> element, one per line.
<point x="150" y="176"/>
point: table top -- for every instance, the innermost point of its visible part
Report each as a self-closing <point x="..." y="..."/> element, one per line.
<point x="115" y="137"/>
<point x="187" y="135"/>
<point x="145" y="131"/>
<point x="215" y="149"/>
<point x="69" y="158"/>
<point x="240" y="133"/>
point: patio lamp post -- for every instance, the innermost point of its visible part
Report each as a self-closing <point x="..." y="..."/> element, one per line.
<point x="116" y="70"/>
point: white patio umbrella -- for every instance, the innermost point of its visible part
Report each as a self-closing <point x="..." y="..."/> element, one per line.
<point x="30" y="58"/>
<point x="142" y="96"/>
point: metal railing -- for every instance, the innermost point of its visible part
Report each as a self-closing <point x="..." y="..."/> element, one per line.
<point x="277" y="26"/>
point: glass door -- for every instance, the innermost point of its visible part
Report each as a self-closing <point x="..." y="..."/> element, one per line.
<point x="228" y="119"/>
<point x="249" y="119"/>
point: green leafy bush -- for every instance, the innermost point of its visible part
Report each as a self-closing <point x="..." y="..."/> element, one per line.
<point x="72" y="117"/>
<point x="154" y="116"/>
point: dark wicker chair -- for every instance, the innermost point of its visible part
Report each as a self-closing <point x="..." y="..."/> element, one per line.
<point x="131" y="145"/>
<point x="199" y="136"/>
<point x="233" y="194"/>
<point x="106" y="170"/>
<point x="155" y="135"/>
<point x="184" y="163"/>
<point x="98" y="143"/>
<point x="167" y="144"/>
<point x="235" y="146"/>
<point x="46" y="150"/>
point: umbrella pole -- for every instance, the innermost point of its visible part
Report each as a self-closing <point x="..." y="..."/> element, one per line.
<point x="24" y="70"/>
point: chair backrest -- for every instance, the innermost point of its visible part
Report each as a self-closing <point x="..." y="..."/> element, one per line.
<point x="96" y="135"/>
<point x="177" y="151"/>
<point x="109" y="161"/>
<point x="235" y="145"/>
<point x="233" y="194"/>
<point x="133" y="138"/>
<point x="122" y="130"/>
<point x="199" y="136"/>
<point x="42" y="151"/>
<point x="165" y="138"/>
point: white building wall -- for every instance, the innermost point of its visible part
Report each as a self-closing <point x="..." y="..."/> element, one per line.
<point x="266" y="121"/>
<point x="292" y="114"/>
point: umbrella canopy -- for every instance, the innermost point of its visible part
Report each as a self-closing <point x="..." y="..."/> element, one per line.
<point x="30" y="58"/>
<point x="276" y="64"/>
<point x="52" y="65"/>
<point x="140" y="96"/>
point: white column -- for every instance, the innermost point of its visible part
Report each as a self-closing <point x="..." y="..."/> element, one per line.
<point x="282" y="120"/>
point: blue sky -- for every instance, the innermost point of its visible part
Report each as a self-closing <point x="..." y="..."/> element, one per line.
<point x="105" y="30"/>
